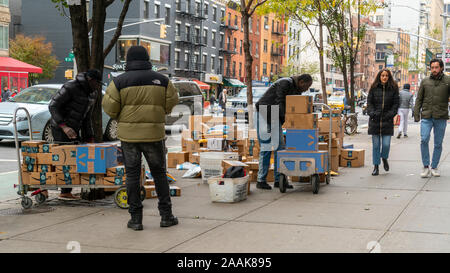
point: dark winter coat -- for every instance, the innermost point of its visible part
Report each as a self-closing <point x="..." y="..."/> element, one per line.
<point x="382" y="106"/>
<point x="432" y="99"/>
<point x="72" y="105"/>
<point x="276" y="95"/>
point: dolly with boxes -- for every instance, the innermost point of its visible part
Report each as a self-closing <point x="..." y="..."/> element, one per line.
<point x="302" y="157"/>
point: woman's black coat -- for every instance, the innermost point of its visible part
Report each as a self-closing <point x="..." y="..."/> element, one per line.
<point x="382" y="106"/>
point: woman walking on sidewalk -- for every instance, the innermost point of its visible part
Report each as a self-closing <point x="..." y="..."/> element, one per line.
<point x="382" y="106"/>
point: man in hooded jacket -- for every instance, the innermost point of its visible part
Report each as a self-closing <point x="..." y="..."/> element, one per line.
<point x="139" y="100"/>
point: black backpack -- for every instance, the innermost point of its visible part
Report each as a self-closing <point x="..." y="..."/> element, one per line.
<point x="235" y="172"/>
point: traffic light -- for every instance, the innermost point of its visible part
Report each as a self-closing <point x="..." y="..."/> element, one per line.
<point x="163" y="31"/>
<point x="69" y="74"/>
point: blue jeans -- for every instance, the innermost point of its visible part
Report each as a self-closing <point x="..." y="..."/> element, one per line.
<point x="383" y="143"/>
<point x="439" y="126"/>
<point x="266" y="147"/>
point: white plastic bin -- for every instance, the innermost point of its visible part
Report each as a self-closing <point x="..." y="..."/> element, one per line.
<point x="228" y="190"/>
<point x="211" y="163"/>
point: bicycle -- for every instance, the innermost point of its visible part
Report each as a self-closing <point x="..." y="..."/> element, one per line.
<point x="350" y="121"/>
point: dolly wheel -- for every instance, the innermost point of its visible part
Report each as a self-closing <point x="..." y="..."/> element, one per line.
<point x="327" y="179"/>
<point x="26" y="202"/>
<point x="315" y="183"/>
<point x="121" y="198"/>
<point x="40" y="198"/>
<point x="283" y="183"/>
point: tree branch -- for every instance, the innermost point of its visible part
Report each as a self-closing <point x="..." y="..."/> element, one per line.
<point x="118" y="32"/>
<point x="109" y="2"/>
<point x="256" y="6"/>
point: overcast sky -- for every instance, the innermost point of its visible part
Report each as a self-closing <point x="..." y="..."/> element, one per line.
<point x="405" y="18"/>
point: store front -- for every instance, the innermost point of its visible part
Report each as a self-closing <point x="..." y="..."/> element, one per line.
<point x="215" y="81"/>
<point x="233" y="86"/>
<point x="14" y="73"/>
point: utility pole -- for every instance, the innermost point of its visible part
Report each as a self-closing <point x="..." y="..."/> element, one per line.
<point x="444" y="39"/>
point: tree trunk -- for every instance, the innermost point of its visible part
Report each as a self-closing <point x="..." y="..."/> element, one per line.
<point x="80" y="35"/>
<point x="97" y="61"/>
<point x="322" y="61"/>
<point x="248" y="68"/>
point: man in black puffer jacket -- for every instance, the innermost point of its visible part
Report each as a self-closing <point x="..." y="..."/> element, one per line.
<point x="275" y="96"/>
<point x="71" y="110"/>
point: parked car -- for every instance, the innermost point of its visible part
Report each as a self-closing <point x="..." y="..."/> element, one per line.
<point x="237" y="105"/>
<point x="336" y="101"/>
<point x="36" y="99"/>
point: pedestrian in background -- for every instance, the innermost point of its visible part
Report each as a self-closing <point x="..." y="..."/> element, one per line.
<point x="432" y="107"/>
<point x="406" y="103"/>
<point x="139" y="100"/>
<point x="382" y="106"/>
<point x="223" y="101"/>
<point x="6" y="94"/>
<point x="212" y="100"/>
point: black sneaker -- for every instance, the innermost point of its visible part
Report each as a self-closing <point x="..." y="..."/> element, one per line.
<point x="399" y="135"/>
<point x="276" y="184"/>
<point x="168" y="221"/>
<point x="263" y="186"/>
<point x="405" y="135"/>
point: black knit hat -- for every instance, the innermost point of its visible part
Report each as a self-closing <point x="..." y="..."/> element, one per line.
<point x="95" y="74"/>
<point x="137" y="53"/>
<point x="406" y="86"/>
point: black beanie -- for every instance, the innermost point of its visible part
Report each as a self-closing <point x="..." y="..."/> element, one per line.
<point x="137" y="53"/>
<point x="406" y="86"/>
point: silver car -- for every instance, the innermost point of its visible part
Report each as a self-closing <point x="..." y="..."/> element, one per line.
<point x="36" y="99"/>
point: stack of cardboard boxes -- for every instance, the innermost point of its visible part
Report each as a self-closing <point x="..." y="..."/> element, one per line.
<point x="302" y="134"/>
<point x="337" y="135"/>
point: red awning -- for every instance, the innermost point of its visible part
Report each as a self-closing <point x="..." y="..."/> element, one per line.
<point x="13" y="65"/>
<point x="202" y="85"/>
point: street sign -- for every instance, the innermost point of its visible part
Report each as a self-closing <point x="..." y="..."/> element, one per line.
<point x="71" y="55"/>
<point x="68" y="59"/>
<point x="390" y="61"/>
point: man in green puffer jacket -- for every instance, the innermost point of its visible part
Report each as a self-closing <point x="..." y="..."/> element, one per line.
<point x="432" y="107"/>
<point x="139" y="100"/>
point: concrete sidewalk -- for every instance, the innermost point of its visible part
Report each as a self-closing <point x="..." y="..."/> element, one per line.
<point x="394" y="212"/>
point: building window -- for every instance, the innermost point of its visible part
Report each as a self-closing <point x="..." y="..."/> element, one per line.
<point x="188" y="31"/>
<point x="271" y="69"/>
<point x="213" y="39"/>
<point x="213" y="64"/>
<point x="204" y="64"/>
<point x="257" y="25"/>
<point x="234" y="69"/>
<point x="222" y="16"/>
<point x="266" y="22"/>
<point x="229" y="19"/>
<point x="177" y="29"/>
<point x="235" y="45"/>
<point x="257" y="48"/>
<point x="235" y="20"/>
<point x="256" y="72"/>
<point x="250" y="27"/>
<point x="159" y="53"/>
<point x="265" y="69"/>
<point x="123" y="45"/>
<point x="214" y="14"/>
<point x="157" y="11"/>
<point x="4" y="37"/>
<point x="265" y="45"/>
<point x="178" y="4"/>
<point x="167" y="16"/>
<point x="146" y="9"/>
<point x="177" y="59"/>
<point x="273" y="25"/>
<point x="198" y="9"/>
<point x="222" y="41"/>
<point x="240" y="69"/>
<point x="205" y="36"/>
<point x="206" y="10"/>
<point x="220" y="66"/>
<point x="5" y="3"/>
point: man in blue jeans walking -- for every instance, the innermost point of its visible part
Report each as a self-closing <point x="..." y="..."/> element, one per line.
<point x="432" y="107"/>
<point x="270" y="133"/>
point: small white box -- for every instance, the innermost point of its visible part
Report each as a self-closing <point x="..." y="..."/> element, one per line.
<point x="228" y="190"/>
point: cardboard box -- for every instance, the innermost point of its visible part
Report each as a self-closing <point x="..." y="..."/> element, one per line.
<point x="115" y="180"/>
<point x="251" y="148"/>
<point x="25" y="177"/>
<point x="150" y="192"/>
<point x="253" y="176"/>
<point x="175" y="191"/>
<point x="45" y="158"/>
<point x="194" y="158"/>
<point x="323" y="137"/>
<point x="45" y="168"/>
<point x="270" y="176"/>
<point x="67" y="179"/>
<point x="47" y="148"/>
<point x="91" y="179"/>
<point x="302" y="140"/>
<point x="297" y="104"/>
<point x="43" y="178"/>
<point x="352" y="158"/>
<point x="213" y="121"/>
<point x="175" y="158"/>
<point x="301" y="121"/>
<point x="192" y="145"/>
<point x="334" y="163"/>
<point x="197" y="122"/>
<point x="252" y="134"/>
<point x="234" y="163"/>
<point x="253" y="166"/>
<point x="95" y="158"/>
<point x="335" y="151"/>
<point x="149" y="182"/>
<point x="29" y="167"/>
<point x="64" y="155"/>
<point x="116" y="171"/>
<point x="335" y="114"/>
<point x="324" y="125"/>
<point x="216" y="144"/>
<point x="66" y="169"/>
<point x="320" y="159"/>
<point x="31" y="147"/>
